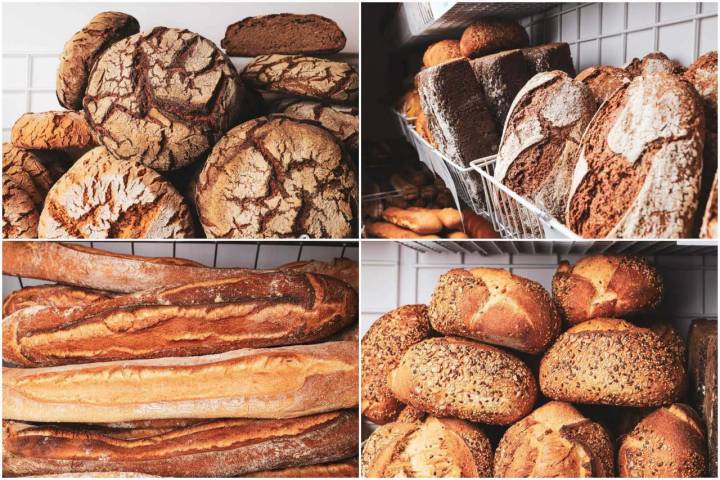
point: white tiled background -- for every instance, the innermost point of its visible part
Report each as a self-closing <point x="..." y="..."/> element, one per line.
<point x="394" y="275"/>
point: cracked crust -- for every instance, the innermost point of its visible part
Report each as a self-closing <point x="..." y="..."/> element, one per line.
<point x="102" y="197"/>
<point x="59" y="296"/>
<point x="20" y="217"/>
<point x="341" y="120"/>
<point x="84" y="48"/>
<point x="162" y="98"/>
<point x="603" y="80"/>
<point x="28" y="172"/>
<point x="276" y="177"/>
<point x="52" y="130"/>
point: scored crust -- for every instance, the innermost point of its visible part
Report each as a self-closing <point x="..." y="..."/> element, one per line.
<point x="20" y="217"/>
<point x="51" y="130"/>
<point x="342" y="121"/>
<point x="27" y="172"/>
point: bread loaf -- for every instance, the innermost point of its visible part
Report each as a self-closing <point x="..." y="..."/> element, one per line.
<point x="654" y="62"/>
<point x="606" y="285"/>
<point x="345" y="468"/>
<point x="455" y="377"/>
<point x="494" y="306"/>
<point x="555" y="441"/>
<point x="421" y="222"/>
<point x="28" y="172"/>
<point x="603" y="81"/>
<point x="341" y="268"/>
<point x="50" y="296"/>
<point x="541" y="140"/>
<point x="669" y="442"/>
<point x="491" y="35"/>
<point x="440" y="52"/>
<point x="215" y="448"/>
<point x="435" y="447"/>
<point x="383" y="345"/>
<point x="20" y="217"/>
<point x="612" y="362"/>
<point x="342" y="121"/>
<point x="477" y="227"/>
<point x="282" y="382"/>
<point x="548" y="57"/>
<point x="640" y="179"/>
<point x="283" y="33"/>
<point x="51" y="130"/>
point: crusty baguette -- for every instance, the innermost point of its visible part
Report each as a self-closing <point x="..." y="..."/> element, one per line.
<point x="344" y="468"/>
<point x="258" y="309"/>
<point x="50" y="296"/>
<point x="342" y="268"/>
<point x="280" y="382"/>
<point x="421" y="222"/>
<point x="216" y="448"/>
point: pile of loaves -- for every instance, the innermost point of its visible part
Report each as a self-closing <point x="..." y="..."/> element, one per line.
<point x="162" y="138"/>
<point x="141" y="366"/>
<point x="612" y="152"/>
<point x="484" y="381"/>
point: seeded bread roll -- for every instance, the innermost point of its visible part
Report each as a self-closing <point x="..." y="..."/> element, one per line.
<point x="670" y="442"/>
<point x="603" y="80"/>
<point x="51" y="130"/>
<point x="606" y="286"/>
<point x="612" y="362"/>
<point x="58" y="296"/>
<point x="555" y="441"/>
<point x="20" y="217"/>
<point x="491" y="35"/>
<point x="435" y="447"/>
<point x="382" y="347"/>
<point x="451" y="376"/>
<point x="494" y="306"/>
<point x="342" y="121"/>
<point x="28" y="172"/>
<point x="440" y="52"/>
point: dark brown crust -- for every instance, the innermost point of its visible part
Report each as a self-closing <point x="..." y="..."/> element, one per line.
<point x="603" y="80"/>
<point x="342" y="121"/>
<point x="50" y="296"/>
<point x="490" y="35"/>
<point x="344" y="469"/>
<point x="20" y="217"/>
<point x="28" y="172"/>
<point x="341" y="268"/>
<point x="502" y="75"/>
<point x="551" y="56"/>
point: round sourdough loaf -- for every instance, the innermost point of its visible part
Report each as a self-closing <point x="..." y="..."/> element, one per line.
<point x="603" y="80"/>
<point x="454" y="377"/>
<point x="555" y="441"/>
<point x="435" y="447"/>
<point x="28" y="172"/>
<point x="654" y="62"/>
<point x="491" y="35"/>
<point x="612" y="362"/>
<point x="494" y="306"/>
<point x="51" y="131"/>
<point x="638" y="175"/>
<point x="606" y="286"/>
<point x="382" y="348"/>
<point x="20" y="217"/>
<point x="102" y="197"/>
<point x="669" y="442"/>
<point x="162" y="98"/>
<point x="277" y="177"/>
<point x="541" y="139"/>
<point x="440" y="52"/>
<point x="341" y="120"/>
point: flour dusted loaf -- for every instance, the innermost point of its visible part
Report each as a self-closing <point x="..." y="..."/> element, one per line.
<point x="84" y="48"/>
<point x="51" y="130"/>
<point x="555" y="441"/>
<point x="304" y="76"/>
<point x="102" y="197"/>
<point x="277" y="177"/>
<point x="162" y="98"/>
<point x="612" y="362"/>
<point x="28" y="172"/>
<point x="283" y="33"/>
<point x="541" y="140"/>
<point x="638" y="175"/>
<point x="341" y="120"/>
<point x="603" y="80"/>
<point x="494" y="306"/>
<point x="440" y="52"/>
<point x="491" y="35"/>
<point x="654" y="62"/>
<point x="551" y="56"/>
<point x="20" y="217"/>
<point x="435" y="447"/>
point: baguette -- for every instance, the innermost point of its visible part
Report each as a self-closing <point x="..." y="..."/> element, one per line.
<point x="259" y="309"/>
<point x="344" y="468"/>
<point x="217" y="448"/>
<point x="281" y="382"/>
<point x="341" y="268"/>
<point x="50" y="296"/>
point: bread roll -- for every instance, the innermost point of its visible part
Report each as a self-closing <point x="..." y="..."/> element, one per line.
<point x="461" y="378"/>
<point x="494" y="306"/>
<point x="606" y="286"/>
<point x="457" y="235"/>
<point x="382" y="348"/>
<point x="612" y="362"/>
<point x="555" y="441"/>
<point x="440" y="52"/>
<point x="409" y="104"/>
<point x="477" y="227"/>
<point x="491" y="35"/>
<point x="389" y="230"/>
<point x="421" y="222"/>
<point x="58" y="296"/>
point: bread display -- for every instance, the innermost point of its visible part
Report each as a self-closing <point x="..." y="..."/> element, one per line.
<point x="640" y="179"/>
<point x="491" y="35"/>
<point x="51" y="130"/>
<point x="83" y="49"/>
<point x="440" y="52"/>
<point x="613" y="286"/>
<point x="58" y="296"/>
<point x="20" y="217"/>
<point x="551" y="56"/>
<point x="603" y="81"/>
<point x="28" y="172"/>
<point x="341" y="120"/>
<point x="670" y="442"/>
<point x="383" y="345"/>
<point x="555" y="441"/>
<point x="494" y="306"/>
<point x="540" y="144"/>
<point x="286" y="33"/>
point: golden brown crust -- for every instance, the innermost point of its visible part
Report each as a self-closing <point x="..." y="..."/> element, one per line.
<point x="419" y="221"/>
<point x="28" y="172"/>
<point x="345" y="468"/>
<point x="409" y="104"/>
<point x="341" y="268"/>
<point x="20" y="217"/>
<point x="492" y="35"/>
<point x="477" y="227"/>
<point x="51" y="130"/>
<point x="603" y="80"/>
<point x="50" y="296"/>
<point x="440" y="52"/>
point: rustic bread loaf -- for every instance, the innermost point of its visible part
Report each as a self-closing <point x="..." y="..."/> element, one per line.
<point x="342" y="121"/>
<point x="304" y="76"/>
<point x="640" y="178"/>
<point x="541" y="140"/>
<point x="421" y="222"/>
<point x="494" y="306"/>
<point x="551" y="56"/>
<point x="344" y="468"/>
<point x="28" y="171"/>
<point x="612" y="362"/>
<point x="709" y="227"/>
<point x="451" y="376"/>
<point x="603" y="81"/>
<point x="654" y="62"/>
<point x="477" y="227"/>
<point x="51" y="130"/>
<point x="606" y="285"/>
<point x="440" y="52"/>
<point x="277" y="177"/>
<point x="451" y="218"/>
<point x="283" y="33"/>
<point x="83" y="49"/>
<point x="341" y="268"/>
<point x="670" y="442"/>
<point x="20" y="217"/>
<point x="174" y="97"/>
<point x="409" y="104"/>
<point x="491" y="35"/>
<point x="555" y="441"/>
<point x="435" y="447"/>
<point x="390" y="230"/>
<point x="102" y="197"/>
<point x="382" y="348"/>
<point x="58" y="296"/>
<point x="215" y="448"/>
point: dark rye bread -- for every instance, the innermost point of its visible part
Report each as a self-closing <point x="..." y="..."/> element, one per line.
<point x="286" y="33"/>
<point x="551" y="56"/>
<point x="638" y="175"/>
<point x="162" y="98"/>
<point x="490" y="35"/>
<point x="603" y="80"/>
<point x="20" y="217"/>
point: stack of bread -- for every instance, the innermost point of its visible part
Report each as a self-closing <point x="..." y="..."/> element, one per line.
<point x="498" y="377"/>
<point x="151" y="149"/>
<point x="165" y="367"/>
